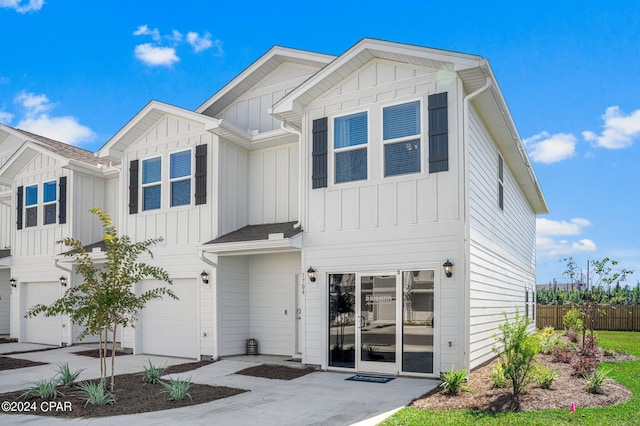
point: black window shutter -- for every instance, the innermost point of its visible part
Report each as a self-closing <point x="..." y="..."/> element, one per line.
<point x="20" y="205"/>
<point x="201" y="174"/>
<point x="62" y="200"/>
<point x="319" y="155"/>
<point x="438" y="133"/>
<point x="133" y="187"/>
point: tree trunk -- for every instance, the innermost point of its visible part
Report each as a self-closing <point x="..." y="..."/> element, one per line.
<point x="100" y="355"/>
<point x="113" y="355"/>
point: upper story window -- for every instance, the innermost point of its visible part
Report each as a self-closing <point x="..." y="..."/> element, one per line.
<point x="31" y="204"/>
<point x="49" y="198"/>
<point x="151" y="183"/>
<point x="350" y="147"/>
<point x="401" y="136"/>
<point x="500" y="183"/>
<point x="180" y="178"/>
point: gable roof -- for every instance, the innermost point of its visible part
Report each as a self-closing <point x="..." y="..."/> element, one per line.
<point x="254" y="239"/>
<point x="65" y="150"/>
<point x="256" y="72"/>
<point x="143" y="121"/>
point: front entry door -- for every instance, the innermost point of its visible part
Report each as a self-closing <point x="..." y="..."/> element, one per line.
<point x="377" y="323"/>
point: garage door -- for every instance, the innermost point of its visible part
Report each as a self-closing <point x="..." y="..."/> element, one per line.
<point x="40" y="329"/>
<point x="169" y="327"/>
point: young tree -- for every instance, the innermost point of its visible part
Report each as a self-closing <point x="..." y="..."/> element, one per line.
<point x="105" y="299"/>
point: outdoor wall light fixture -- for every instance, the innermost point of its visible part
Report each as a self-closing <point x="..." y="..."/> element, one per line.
<point x="312" y="274"/>
<point x="204" y="276"/>
<point x="448" y="268"/>
<point x="63" y="281"/>
<point x="12" y="281"/>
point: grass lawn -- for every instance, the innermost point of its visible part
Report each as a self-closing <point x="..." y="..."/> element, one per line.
<point x="625" y="372"/>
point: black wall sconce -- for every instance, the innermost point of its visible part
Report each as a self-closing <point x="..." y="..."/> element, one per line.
<point x="12" y="281"/>
<point x="63" y="281"/>
<point x="448" y="268"/>
<point x="312" y="274"/>
<point x="204" y="276"/>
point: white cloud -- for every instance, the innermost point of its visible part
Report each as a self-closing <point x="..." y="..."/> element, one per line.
<point x="145" y="30"/>
<point x="198" y="43"/>
<point x="37" y="120"/>
<point x="546" y="148"/>
<point x="30" y="6"/>
<point x="549" y="246"/>
<point x="620" y="130"/>
<point x="6" y="117"/>
<point x="156" y="56"/>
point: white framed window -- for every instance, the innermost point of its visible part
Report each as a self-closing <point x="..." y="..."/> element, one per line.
<point x="31" y="205"/>
<point x="401" y="138"/>
<point x="180" y="178"/>
<point x="500" y="182"/>
<point x="350" y="141"/>
<point x="152" y="183"/>
<point x="49" y="198"/>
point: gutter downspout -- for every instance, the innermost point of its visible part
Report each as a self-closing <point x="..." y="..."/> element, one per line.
<point x="286" y="128"/>
<point x="467" y="242"/>
<point x="216" y="329"/>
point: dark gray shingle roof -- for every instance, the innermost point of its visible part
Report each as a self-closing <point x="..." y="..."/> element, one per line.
<point x="258" y="232"/>
<point x="5" y="253"/>
<point x="66" y="150"/>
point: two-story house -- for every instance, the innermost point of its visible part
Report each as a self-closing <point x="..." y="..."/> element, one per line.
<point x="373" y="212"/>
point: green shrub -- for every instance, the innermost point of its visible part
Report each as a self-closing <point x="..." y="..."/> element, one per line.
<point x="517" y="350"/>
<point x="454" y="381"/>
<point x="45" y="388"/>
<point x="177" y="389"/>
<point x="596" y="381"/>
<point x="572" y="321"/>
<point x="152" y="374"/>
<point x="96" y="393"/>
<point x="65" y="376"/>
<point x="544" y="376"/>
<point x="548" y="340"/>
<point x="610" y="352"/>
<point x="497" y="377"/>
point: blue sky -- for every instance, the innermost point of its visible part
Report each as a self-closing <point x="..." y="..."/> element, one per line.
<point x="77" y="71"/>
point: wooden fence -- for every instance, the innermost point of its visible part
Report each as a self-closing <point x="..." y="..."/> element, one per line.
<point x="616" y="317"/>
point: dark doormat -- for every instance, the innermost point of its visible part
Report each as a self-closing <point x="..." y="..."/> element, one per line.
<point x="295" y="360"/>
<point x="370" y="379"/>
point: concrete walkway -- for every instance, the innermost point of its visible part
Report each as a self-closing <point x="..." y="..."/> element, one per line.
<point x="321" y="398"/>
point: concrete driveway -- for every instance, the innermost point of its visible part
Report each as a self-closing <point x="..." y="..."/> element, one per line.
<point x="321" y="398"/>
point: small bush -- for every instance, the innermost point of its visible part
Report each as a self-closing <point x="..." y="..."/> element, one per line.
<point x="571" y="321"/>
<point x="65" y="376"/>
<point x="548" y="340"/>
<point x="572" y="336"/>
<point x="610" y="352"/>
<point x="454" y="381"/>
<point x="585" y="360"/>
<point x="497" y="377"/>
<point x="544" y="376"/>
<point x="177" y="389"/>
<point x="96" y="393"/>
<point x="152" y="374"/>
<point x="562" y="354"/>
<point x="596" y="381"/>
<point x="45" y="388"/>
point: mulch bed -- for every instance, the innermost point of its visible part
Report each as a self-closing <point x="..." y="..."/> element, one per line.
<point x="9" y="363"/>
<point x="95" y="353"/>
<point x="566" y="389"/>
<point x="133" y="396"/>
<point x="7" y="340"/>
<point x="279" y="372"/>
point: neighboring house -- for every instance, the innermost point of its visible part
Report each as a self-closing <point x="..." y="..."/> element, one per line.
<point x="372" y="212"/>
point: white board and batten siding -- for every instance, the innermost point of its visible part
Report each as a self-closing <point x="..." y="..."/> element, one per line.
<point x="7" y="224"/>
<point x="188" y="224"/>
<point x="232" y="170"/>
<point x="85" y="193"/>
<point x="5" y="301"/>
<point x="234" y="326"/>
<point x="502" y="244"/>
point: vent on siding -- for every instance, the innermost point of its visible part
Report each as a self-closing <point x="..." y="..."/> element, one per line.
<point x="62" y="200"/>
<point x="133" y="187"/>
<point x="201" y="174"/>
<point x="319" y="155"/>
<point x="20" y="205"/>
<point x="438" y="133"/>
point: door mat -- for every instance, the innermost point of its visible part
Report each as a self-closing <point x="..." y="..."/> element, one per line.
<point x="371" y="379"/>
<point x="295" y="360"/>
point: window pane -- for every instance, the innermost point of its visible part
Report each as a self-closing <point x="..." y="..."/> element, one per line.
<point x="401" y="120"/>
<point x="151" y="170"/>
<point x="402" y="158"/>
<point x="49" y="192"/>
<point x="351" y="165"/>
<point x="32" y="216"/>
<point x="49" y="214"/>
<point x="350" y="130"/>
<point x="31" y="195"/>
<point x="181" y="192"/>
<point x="151" y="197"/>
<point x="342" y="320"/>
<point x="180" y="164"/>
<point x="417" y="321"/>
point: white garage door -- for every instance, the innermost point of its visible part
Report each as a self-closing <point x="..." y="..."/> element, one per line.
<point x="40" y="329"/>
<point x="169" y="327"/>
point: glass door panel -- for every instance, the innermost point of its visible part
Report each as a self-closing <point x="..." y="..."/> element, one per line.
<point x="377" y="322"/>
<point x="417" y="323"/>
<point x="342" y="320"/>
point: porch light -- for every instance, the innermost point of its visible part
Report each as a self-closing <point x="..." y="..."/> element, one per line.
<point x="448" y="268"/>
<point x="204" y="276"/>
<point x="63" y="281"/>
<point x="312" y="274"/>
<point x="12" y="281"/>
